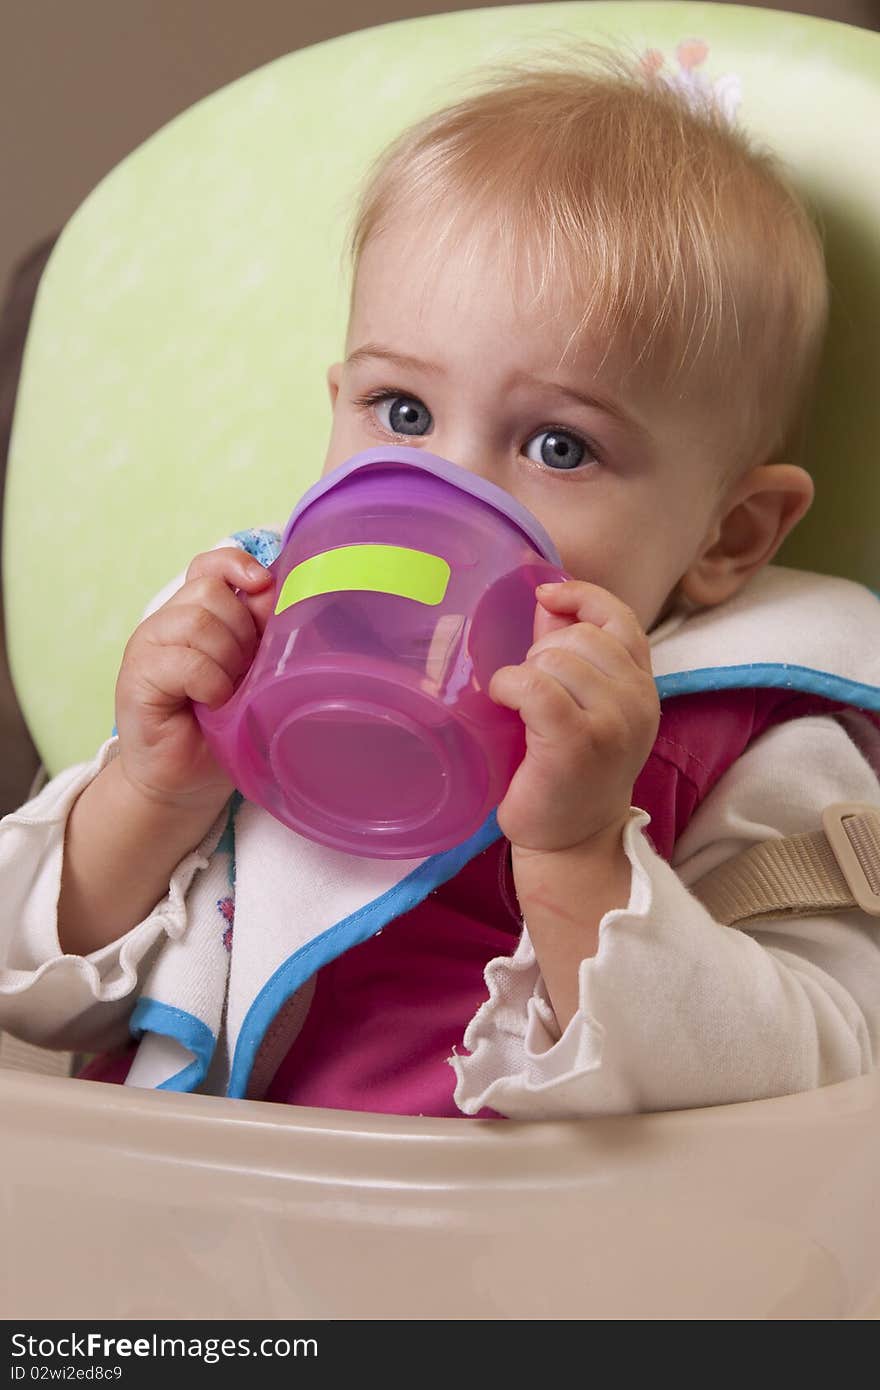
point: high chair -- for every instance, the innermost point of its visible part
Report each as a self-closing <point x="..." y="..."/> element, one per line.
<point x="172" y="392"/>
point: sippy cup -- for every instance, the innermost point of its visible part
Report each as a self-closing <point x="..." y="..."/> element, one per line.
<point x="402" y="584"/>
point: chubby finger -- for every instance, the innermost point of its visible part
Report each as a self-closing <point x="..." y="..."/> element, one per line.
<point x="595" y="646"/>
<point x="173" y="675"/>
<point x="250" y="583"/>
<point x="213" y="594"/>
<point x="545" y="622"/>
<point x="236" y="567"/>
<point x="546" y="707"/>
<point x="193" y="625"/>
<point x="633" y="699"/>
<point x="585" y="683"/>
<point x="589" y="603"/>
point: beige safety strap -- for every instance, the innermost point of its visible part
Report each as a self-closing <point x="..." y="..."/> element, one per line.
<point x="829" y="870"/>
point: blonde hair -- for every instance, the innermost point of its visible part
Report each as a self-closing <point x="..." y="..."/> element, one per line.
<point x="659" y="216"/>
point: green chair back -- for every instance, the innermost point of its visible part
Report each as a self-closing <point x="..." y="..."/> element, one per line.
<point x="173" y="386"/>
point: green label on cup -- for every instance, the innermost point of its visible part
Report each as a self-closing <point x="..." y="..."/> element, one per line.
<point x="379" y="569"/>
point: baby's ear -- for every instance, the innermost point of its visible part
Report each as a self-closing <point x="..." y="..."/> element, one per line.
<point x="334" y="377"/>
<point x="750" y="526"/>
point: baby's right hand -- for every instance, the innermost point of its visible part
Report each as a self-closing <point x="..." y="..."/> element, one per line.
<point x="192" y="648"/>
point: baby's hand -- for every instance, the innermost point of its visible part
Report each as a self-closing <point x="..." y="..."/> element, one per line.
<point x="192" y="648"/>
<point x="587" y="697"/>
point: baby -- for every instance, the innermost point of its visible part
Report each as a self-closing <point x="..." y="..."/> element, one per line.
<point x="604" y="300"/>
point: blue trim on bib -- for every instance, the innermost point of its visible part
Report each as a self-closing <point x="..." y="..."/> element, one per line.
<point x="770" y="675"/>
<point x="152" y="1016"/>
<point x="351" y="931"/>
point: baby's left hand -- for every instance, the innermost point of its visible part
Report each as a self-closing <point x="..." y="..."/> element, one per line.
<point x="587" y="697"/>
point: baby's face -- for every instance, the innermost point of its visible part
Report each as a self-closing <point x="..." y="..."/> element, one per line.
<point x="620" y="478"/>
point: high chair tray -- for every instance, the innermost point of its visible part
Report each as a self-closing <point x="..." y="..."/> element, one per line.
<point x="183" y="1206"/>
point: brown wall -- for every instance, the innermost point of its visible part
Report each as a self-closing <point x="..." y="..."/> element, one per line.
<point x="83" y="82"/>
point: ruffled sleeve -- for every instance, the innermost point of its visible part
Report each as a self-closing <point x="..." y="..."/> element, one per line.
<point x="676" y="1010"/>
<point x="63" y="1001"/>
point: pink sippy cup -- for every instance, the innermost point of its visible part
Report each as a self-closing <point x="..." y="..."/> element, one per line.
<point x="402" y="584"/>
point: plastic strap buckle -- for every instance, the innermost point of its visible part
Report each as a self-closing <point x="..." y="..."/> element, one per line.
<point x="852" y="829"/>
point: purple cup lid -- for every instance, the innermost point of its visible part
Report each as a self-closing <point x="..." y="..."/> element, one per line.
<point x="441" y="468"/>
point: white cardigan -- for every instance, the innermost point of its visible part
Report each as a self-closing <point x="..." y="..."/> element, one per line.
<point x="675" y="1010"/>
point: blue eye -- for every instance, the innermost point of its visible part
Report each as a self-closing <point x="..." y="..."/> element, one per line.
<point x="561" y="450"/>
<point x="406" y="414"/>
